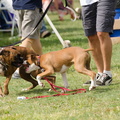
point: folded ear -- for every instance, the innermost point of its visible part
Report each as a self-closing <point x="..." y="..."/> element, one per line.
<point x="5" y="53"/>
<point x="14" y="48"/>
<point x="33" y="57"/>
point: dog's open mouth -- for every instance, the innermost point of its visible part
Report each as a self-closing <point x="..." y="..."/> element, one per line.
<point x="16" y="64"/>
<point x="18" y="61"/>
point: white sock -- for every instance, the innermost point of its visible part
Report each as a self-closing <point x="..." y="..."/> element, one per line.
<point x="100" y="73"/>
<point x="108" y="72"/>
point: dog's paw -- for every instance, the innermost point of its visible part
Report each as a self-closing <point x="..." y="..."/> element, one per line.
<point x="92" y="87"/>
<point x="41" y="85"/>
<point x="6" y="92"/>
<point x="50" y="90"/>
<point x="2" y="95"/>
<point x="63" y="91"/>
<point x="24" y="89"/>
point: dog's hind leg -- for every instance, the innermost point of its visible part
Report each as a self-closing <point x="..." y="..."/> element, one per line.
<point x="65" y="81"/>
<point x="89" y="73"/>
<point x="81" y="66"/>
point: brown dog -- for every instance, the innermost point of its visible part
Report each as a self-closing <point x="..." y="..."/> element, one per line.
<point x="60" y="61"/>
<point x="10" y="59"/>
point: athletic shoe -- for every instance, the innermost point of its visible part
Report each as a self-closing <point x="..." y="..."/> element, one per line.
<point x="45" y="34"/>
<point x="98" y="76"/>
<point x="101" y="80"/>
<point x="16" y="75"/>
<point x="105" y="80"/>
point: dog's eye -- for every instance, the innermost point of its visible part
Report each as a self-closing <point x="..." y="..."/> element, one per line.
<point x="13" y="48"/>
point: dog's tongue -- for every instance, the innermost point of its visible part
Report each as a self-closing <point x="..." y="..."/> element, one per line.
<point x="31" y="68"/>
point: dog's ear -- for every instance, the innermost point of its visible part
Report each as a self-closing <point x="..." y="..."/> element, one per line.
<point x="14" y="48"/>
<point x="33" y="57"/>
<point x="5" y="53"/>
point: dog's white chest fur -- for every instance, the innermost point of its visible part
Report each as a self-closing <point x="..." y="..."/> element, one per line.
<point x="64" y="69"/>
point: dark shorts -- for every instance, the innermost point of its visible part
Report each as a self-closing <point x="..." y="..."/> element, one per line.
<point x="98" y="17"/>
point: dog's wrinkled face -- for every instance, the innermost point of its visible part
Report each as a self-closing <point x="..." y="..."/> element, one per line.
<point x="11" y="57"/>
<point x="18" y="60"/>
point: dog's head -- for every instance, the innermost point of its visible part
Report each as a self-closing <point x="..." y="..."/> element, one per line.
<point x="32" y="63"/>
<point x="11" y="56"/>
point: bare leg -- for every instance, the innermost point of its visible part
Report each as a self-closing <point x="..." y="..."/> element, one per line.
<point x="106" y="49"/>
<point x="97" y="55"/>
<point x="33" y="44"/>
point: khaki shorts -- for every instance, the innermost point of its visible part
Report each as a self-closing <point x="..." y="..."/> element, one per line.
<point x="27" y="20"/>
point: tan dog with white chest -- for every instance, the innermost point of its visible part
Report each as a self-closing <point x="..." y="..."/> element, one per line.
<point x="60" y="61"/>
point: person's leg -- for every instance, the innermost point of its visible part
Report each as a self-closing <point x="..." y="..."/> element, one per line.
<point x="43" y="31"/>
<point x="28" y="23"/>
<point x="97" y="55"/>
<point x="37" y="44"/>
<point x="89" y="23"/>
<point x="43" y="28"/>
<point x="106" y="49"/>
<point x="33" y="44"/>
<point x="104" y="26"/>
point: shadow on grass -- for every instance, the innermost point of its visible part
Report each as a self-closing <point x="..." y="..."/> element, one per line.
<point x="44" y="91"/>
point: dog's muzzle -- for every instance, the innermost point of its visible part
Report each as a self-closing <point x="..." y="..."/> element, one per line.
<point x="18" y="61"/>
<point x="32" y="67"/>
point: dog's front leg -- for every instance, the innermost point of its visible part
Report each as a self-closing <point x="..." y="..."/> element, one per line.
<point x="6" y="90"/>
<point x="65" y="81"/>
<point x="93" y="84"/>
<point x="1" y="92"/>
<point x="43" y="74"/>
<point x="39" y="81"/>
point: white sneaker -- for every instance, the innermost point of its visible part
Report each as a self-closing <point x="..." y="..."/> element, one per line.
<point x="16" y="75"/>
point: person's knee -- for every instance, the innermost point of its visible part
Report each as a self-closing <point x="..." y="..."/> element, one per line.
<point x="102" y="35"/>
<point x="93" y="39"/>
<point x="27" y="43"/>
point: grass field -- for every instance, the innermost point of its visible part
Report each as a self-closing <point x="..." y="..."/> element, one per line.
<point x="103" y="103"/>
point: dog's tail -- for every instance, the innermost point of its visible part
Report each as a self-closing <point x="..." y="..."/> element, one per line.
<point x="89" y="49"/>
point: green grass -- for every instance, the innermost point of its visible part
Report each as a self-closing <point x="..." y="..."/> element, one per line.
<point x="103" y="103"/>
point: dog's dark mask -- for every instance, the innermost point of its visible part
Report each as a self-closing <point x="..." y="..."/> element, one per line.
<point x="18" y="61"/>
